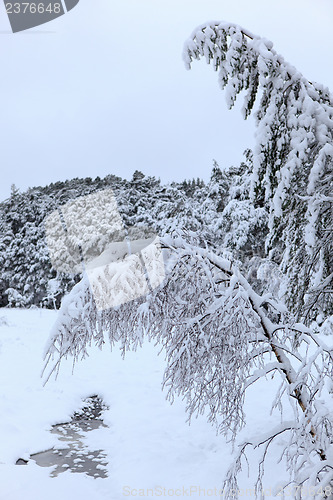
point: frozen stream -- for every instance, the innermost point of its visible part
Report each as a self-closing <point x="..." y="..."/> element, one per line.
<point x="75" y="455"/>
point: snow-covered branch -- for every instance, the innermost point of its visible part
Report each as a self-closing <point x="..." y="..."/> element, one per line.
<point x="218" y="336"/>
<point x="293" y="152"/>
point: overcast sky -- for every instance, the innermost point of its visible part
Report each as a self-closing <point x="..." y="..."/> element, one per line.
<point x="104" y="90"/>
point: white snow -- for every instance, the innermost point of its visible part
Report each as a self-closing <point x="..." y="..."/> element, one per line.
<point x="151" y="450"/>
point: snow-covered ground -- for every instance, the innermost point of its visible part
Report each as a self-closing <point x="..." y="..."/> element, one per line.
<point x="151" y="450"/>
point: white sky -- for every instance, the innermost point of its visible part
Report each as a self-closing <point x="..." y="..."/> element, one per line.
<point x="104" y="90"/>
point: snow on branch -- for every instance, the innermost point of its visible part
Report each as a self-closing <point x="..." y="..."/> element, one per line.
<point x="293" y="158"/>
<point x="218" y="336"/>
<point x="294" y="114"/>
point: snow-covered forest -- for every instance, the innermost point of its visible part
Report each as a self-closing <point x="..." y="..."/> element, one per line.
<point x="245" y="311"/>
<point x="219" y="211"/>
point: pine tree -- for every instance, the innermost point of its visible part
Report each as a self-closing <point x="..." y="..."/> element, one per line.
<point x="293" y="158"/>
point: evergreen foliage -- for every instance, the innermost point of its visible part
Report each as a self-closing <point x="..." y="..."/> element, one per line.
<point x="26" y="274"/>
<point x="293" y="158"/>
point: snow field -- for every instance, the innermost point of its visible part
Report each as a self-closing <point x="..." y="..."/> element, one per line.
<point x="151" y="450"/>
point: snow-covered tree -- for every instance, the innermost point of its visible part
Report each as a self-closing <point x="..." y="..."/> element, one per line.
<point x="219" y="337"/>
<point x="243" y="225"/>
<point x="293" y="157"/>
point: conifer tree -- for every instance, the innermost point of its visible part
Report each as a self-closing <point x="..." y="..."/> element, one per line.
<point x="293" y="157"/>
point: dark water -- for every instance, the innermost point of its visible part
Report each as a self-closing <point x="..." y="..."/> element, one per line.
<point x="75" y="456"/>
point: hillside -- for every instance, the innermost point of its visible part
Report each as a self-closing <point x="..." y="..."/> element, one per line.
<point x="218" y="212"/>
